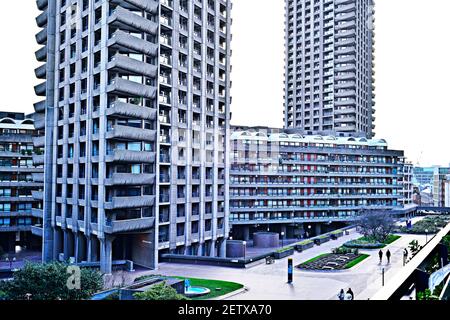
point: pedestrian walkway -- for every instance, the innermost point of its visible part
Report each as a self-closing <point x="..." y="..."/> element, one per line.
<point x="269" y="282"/>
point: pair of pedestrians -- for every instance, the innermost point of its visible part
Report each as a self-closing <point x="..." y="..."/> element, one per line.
<point x="349" y="295"/>
<point x="388" y="256"/>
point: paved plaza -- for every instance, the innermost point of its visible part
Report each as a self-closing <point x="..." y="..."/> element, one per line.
<point x="268" y="282"/>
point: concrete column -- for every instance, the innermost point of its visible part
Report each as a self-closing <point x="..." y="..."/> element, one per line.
<point x="89" y="248"/>
<point x="223" y="248"/>
<point x="318" y="229"/>
<point x="57" y="243"/>
<point x="106" y="255"/>
<point x="246" y="233"/>
<point x="80" y="247"/>
<point x="212" y="249"/>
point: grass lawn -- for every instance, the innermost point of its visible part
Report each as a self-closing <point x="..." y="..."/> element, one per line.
<point x="353" y="263"/>
<point x="225" y="287"/>
<point x="392" y="238"/>
<point x="315" y="258"/>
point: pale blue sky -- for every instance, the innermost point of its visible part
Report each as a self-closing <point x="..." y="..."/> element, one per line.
<point x="412" y="68"/>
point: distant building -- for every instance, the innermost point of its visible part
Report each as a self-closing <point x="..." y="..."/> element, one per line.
<point x="440" y="177"/>
<point x="329" y="72"/>
<point x="287" y="182"/>
<point x="423" y="175"/>
<point x="16" y="182"/>
<point x="407" y="185"/>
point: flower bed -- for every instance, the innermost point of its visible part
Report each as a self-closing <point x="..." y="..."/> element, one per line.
<point x="365" y="243"/>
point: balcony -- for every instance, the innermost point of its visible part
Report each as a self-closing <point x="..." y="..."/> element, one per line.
<point x="38" y="177"/>
<point x="38" y="159"/>
<point x="131" y="156"/>
<point x="130" y="202"/>
<point x="37" y="213"/>
<point x="131" y="88"/>
<point x="37" y="231"/>
<point x="130" y="179"/>
<point x="123" y="39"/>
<point x="130" y="225"/>
<point x="150" y="6"/>
<point x="40" y="89"/>
<point x="41" y="36"/>
<point x="41" y="71"/>
<point x="131" y="133"/>
<point x="131" y="110"/>
<point x="133" y="66"/>
<point x="123" y="16"/>
<point x="42" y="4"/>
<point x="40" y="106"/>
<point x="39" y="141"/>
<point x="42" y="19"/>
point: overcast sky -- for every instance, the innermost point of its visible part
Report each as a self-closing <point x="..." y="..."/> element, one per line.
<point x="412" y="69"/>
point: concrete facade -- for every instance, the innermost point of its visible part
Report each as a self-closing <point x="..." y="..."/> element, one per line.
<point x="136" y="118"/>
<point x="20" y="182"/>
<point x="307" y="185"/>
<point x="329" y="75"/>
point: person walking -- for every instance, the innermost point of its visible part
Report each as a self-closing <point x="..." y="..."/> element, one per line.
<point x="341" y="295"/>
<point x="388" y="256"/>
<point x="349" y="295"/>
<point x="380" y="254"/>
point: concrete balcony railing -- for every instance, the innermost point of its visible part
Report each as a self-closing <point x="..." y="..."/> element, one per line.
<point x="130" y="225"/>
<point x="130" y="202"/>
<point x="38" y="159"/>
<point x="133" y="66"/>
<point x="41" y="71"/>
<point x="37" y="231"/>
<point x="40" y="89"/>
<point x="37" y="195"/>
<point x="37" y="213"/>
<point x="131" y="156"/>
<point x="42" y="19"/>
<point x="41" y="36"/>
<point x="123" y="39"/>
<point x="130" y="179"/>
<point x="41" y="54"/>
<point x="42" y="4"/>
<point x="40" y="106"/>
<point x="39" y="141"/>
<point x="132" y="20"/>
<point x="130" y="133"/>
<point x="130" y="110"/>
<point x="128" y="87"/>
<point x="38" y="177"/>
<point x="147" y="5"/>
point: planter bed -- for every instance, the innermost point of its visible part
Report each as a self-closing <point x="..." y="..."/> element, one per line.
<point x="333" y="262"/>
<point x="337" y="234"/>
<point x="283" y="253"/>
<point x="305" y="245"/>
<point x="322" y="239"/>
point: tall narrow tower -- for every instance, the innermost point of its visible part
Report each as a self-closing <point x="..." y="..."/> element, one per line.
<point x="329" y="76"/>
<point x="136" y="115"/>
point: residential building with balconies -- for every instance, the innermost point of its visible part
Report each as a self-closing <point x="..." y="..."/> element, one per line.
<point x="329" y="67"/>
<point x="20" y="183"/>
<point x="136" y="115"/>
<point x="288" y="182"/>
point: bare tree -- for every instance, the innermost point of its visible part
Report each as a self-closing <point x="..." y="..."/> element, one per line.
<point x="375" y="224"/>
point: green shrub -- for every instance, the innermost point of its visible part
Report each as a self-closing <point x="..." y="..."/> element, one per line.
<point x="49" y="282"/>
<point x="284" y="249"/>
<point x="160" y="291"/>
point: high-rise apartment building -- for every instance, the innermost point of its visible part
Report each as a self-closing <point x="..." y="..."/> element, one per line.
<point x="136" y="117"/>
<point x="329" y="74"/>
<point x="17" y="188"/>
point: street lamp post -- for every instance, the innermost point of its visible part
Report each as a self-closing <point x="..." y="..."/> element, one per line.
<point x="245" y="249"/>
<point x="282" y="239"/>
<point x="426" y="235"/>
